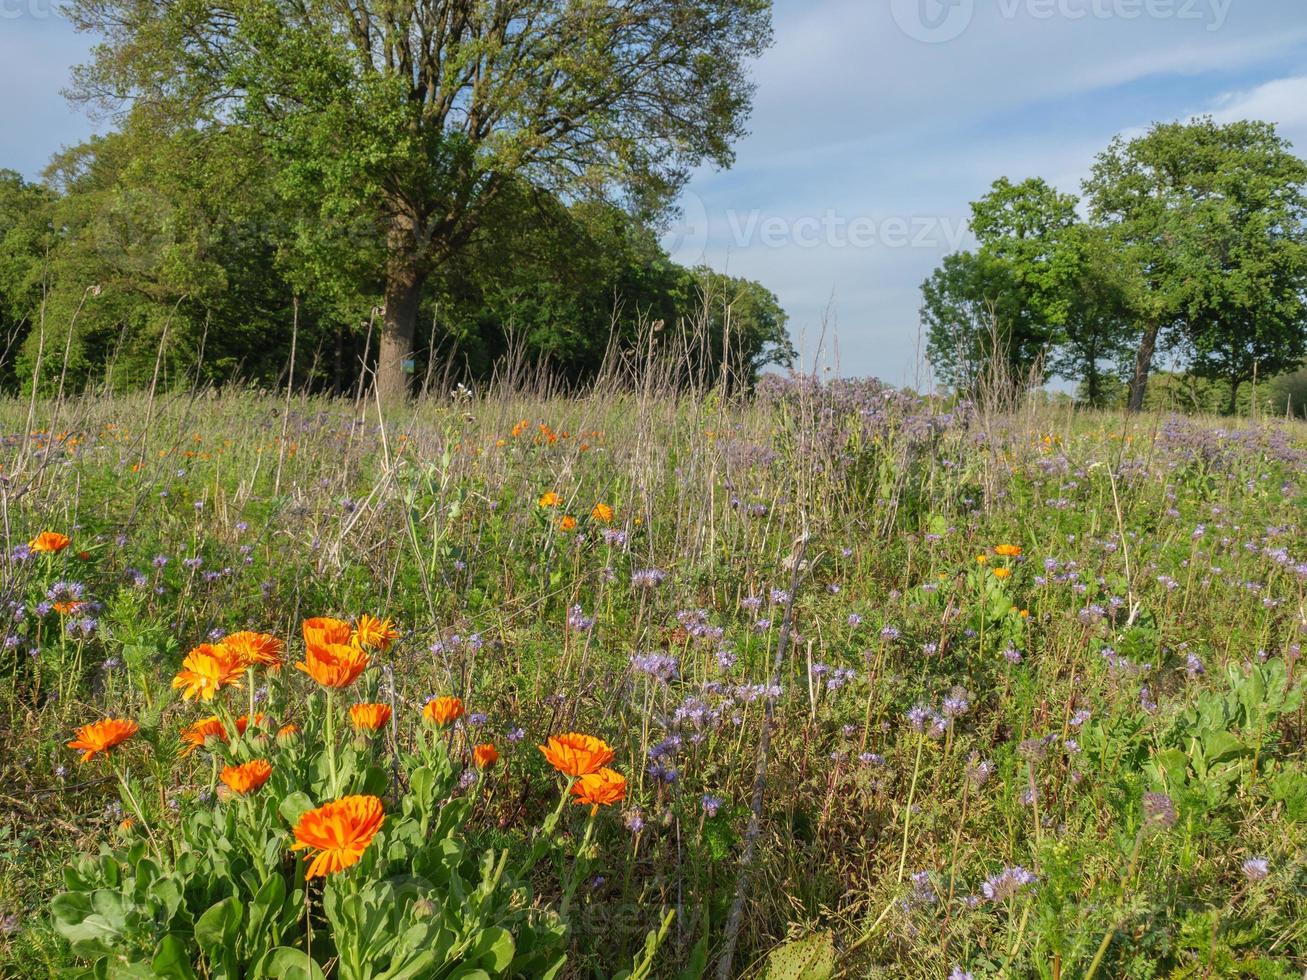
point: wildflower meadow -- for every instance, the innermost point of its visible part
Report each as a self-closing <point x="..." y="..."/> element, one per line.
<point x="823" y="679"/>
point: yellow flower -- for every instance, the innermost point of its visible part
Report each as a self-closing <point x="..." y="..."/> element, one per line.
<point x="376" y="634"/>
<point x="550" y="499"/>
<point x="982" y="559"/>
<point x="206" y="670"/>
<point x="567" y="523"/>
<point x="1008" y="550"/>
<point x="602" y="513"/>
<point x="1001" y="573"/>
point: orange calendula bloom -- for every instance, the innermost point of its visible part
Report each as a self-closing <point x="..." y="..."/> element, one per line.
<point x="485" y="756"/>
<point x="1008" y="550"/>
<point x="575" y="754"/>
<point x="334" y="664"/>
<point x="567" y="523"/>
<point x="982" y="559"/>
<point x="602" y="513"/>
<point x="551" y="499"/>
<point x="369" y="717"/>
<point x="49" y="542"/>
<point x="286" y="733"/>
<point x="195" y="735"/>
<point x="602" y="788"/>
<point x="339" y="832"/>
<point x="256" y="649"/>
<point x="208" y="669"/>
<point x="66" y="607"/>
<point x="443" y="711"/>
<point x="323" y="630"/>
<point x="376" y="634"/>
<point x="247" y="777"/>
<point x="1002" y="572"/>
<point x="101" y="736"/>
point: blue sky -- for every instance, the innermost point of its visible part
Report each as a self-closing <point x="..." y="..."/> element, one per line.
<point x="875" y="123"/>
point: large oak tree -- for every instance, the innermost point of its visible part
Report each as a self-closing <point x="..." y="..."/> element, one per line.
<point x="416" y="115"/>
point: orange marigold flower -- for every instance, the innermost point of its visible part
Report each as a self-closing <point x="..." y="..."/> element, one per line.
<point x="334" y="664"/>
<point x="195" y="735"/>
<point x="1002" y="572"/>
<point x="206" y="670"/>
<point x="1008" y="550"/>
<point x="551" y="499"/>
<point x="323" y="630"/>
<point x="286" y="733"/>
<point x="575" y="754"/>
<point x="602" y="788"/>
<point x="369" y="717"/>
<point x="485" y="756"/>
<point x="247" y="777"/>
<point x="66" y="607"/>
<point x="567" y="523"/>
<point x="376" y="634"/>
<point x="339" y="832"/>
<point x="243" y="722"/>
<point x="602" y="513"/>
<point x="982" y="559"/>
<point x="256" y="649"/>
<point x="443" y="711"/>
<point x="126" y="824"/>
<point x="101" y="736"/>
<point x="49" y="542"/>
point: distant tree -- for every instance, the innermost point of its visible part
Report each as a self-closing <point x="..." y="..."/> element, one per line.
<point x="1007" y="299"/>
<point x="26" y="238"/>
<point x="976" y="318"/>
<point x="1092" y="317"/>
<point x="416" y="116"/>
<point x="1209" y="222"/>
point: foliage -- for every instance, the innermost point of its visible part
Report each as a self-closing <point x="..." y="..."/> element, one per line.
<point x="1040" y="706"/>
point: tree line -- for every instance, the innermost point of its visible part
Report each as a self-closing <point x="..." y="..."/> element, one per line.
<point x="380" y="185"/>
<point x="1187" y="252"/>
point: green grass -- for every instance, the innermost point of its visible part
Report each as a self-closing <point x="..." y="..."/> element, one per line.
<point x="1170" y="544"/>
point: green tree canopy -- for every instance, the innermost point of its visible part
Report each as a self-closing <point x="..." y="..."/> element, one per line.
<point x="416" y="116"/>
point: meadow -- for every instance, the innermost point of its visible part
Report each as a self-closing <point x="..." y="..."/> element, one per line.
<point x="846" y="682"/>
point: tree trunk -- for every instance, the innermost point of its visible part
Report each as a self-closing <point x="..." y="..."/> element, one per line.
<point x="1143" y="365"/>
<point x="404" y="280"/>
<point x="1234" y="395"/>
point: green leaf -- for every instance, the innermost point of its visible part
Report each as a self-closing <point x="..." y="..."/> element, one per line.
<point x="285" y="963"/>
<point x="294" y="806"/>
<point x="172" y="960"/>
<point x="217" y="928"/>
<point x="810" y="958"/>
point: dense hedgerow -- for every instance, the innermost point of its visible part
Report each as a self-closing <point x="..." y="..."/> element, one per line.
<point x="875" y="686"/>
